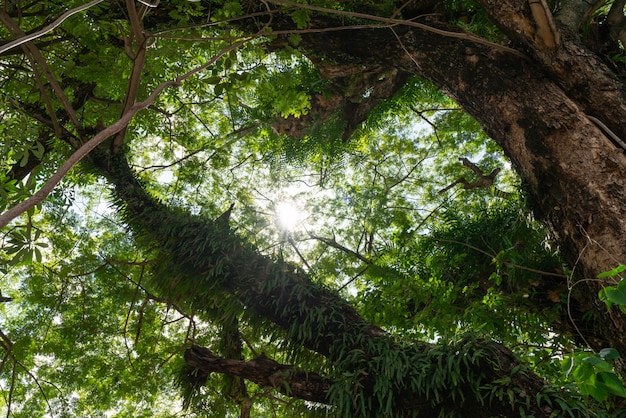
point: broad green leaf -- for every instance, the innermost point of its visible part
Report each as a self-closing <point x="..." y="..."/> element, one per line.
<point x="300" y="18"/>
<point x="617" y="296"/>
<point x="611" y="383"/>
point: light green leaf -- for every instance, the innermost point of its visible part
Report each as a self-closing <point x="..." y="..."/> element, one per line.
<point x="38" y="150"/>
<point x="24" y="159"/>
<point x="614" y="272"/>
<point x="617" y="296"/>
<point x="611" y="383"/>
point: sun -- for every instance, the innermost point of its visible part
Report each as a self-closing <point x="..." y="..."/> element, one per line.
<point x="288" y="215"/>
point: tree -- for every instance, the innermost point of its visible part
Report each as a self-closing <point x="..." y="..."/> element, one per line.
<point x="233" y="83"/>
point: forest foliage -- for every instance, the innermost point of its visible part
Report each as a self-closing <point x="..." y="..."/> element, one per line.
<point x="101" y="314"/>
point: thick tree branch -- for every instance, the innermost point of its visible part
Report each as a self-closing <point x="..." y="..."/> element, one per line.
<point x="139" y="59"/>
<point x="578" y="71"/>
<point x="401" y="22"/>
<point x="542" y="124"/>
<point x="264" y="372"/>
<point x="310" y="315"/>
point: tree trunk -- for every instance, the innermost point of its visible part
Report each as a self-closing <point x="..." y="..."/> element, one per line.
<point x="573" y="171"/>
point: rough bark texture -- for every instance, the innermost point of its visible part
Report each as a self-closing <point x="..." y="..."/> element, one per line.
<point x="262" y="371"/>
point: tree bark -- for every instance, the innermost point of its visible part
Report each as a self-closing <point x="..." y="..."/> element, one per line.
<point x="264" y="372"/>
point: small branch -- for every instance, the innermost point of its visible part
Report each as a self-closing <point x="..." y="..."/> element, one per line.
<point x="54" y="120"/>
<point x="293" y="245"/>
<point x="336" y="245"/>
<point x="352" y="279"/>
<point x="506" y="263"/>
<point x="406" y="176"/>
<point x="48" y="28"/>
<point x="139" y="60"/>
<point x="607" y="131"/>
<point x="424" y="118"/>
<point x="485" y="181"/>
<point x="38" y="45"/>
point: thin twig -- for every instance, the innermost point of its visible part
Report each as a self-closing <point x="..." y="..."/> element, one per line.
<point x="333" y="243"/>
<point x="359" y="274"/>
<point x="48" y="28"/>
<point x="506" y="263"/>
<point x="607" y="131"/>
<point x="293" y="245"/>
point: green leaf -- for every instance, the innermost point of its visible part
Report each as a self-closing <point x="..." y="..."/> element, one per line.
<point x="617" y="296"/>
<point x="213" y="80"/>
<point x="232" y="9"/>
<point x="295" y="39"/>
<point x="567" y="365"/>
<point x="583" y="372"/>
<point x="596" y="392"/>
<point x="609" y="354"/>
<point x="219" y="89"/>
<point x="617" y="270"/>
<point x="24" y="159"/>
<point x="593" y="360"/>
<point x="38" y="150"/>
<point x="611" y="383"/>
<point x="603" y="295"/>
<point x="300" y="18"/>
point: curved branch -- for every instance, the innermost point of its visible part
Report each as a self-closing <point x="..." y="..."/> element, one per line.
<point x="48" y="28"/>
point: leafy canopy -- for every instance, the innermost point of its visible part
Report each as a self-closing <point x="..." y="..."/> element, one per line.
<point x="90" y="330"/>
